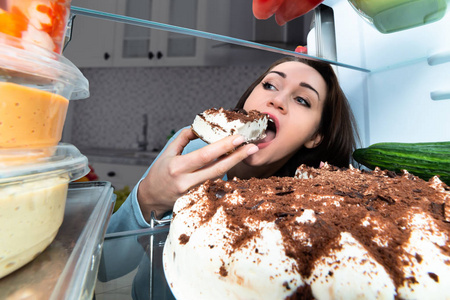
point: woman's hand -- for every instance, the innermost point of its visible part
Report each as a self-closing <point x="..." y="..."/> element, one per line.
<point x="174" y="174"/>
<point x="284" y="10"/>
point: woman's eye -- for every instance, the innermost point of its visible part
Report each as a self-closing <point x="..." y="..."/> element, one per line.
<point x="268" y="86"/>
<point x="302" y="101"/>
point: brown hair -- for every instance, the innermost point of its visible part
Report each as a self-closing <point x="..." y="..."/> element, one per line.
<point x="337" y="125"/>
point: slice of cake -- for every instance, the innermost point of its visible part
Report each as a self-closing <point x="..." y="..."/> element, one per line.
<point x="215" y="124"/>
<point x="327" y="234"/>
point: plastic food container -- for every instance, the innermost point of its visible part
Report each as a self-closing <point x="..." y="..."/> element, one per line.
<point x="32" y="201"/>
<point x="42" y="22"/>
<point x="35" y="88"/>
<point x="389" y="16"/>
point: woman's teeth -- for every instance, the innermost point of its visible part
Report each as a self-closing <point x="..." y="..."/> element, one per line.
<point x="271" y="126"/>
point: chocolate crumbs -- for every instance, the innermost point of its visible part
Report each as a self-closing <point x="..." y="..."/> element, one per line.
<point x="342" y="200"/>
<point x="184" y="239"/>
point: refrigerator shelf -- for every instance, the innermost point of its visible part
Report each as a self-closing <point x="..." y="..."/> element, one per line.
<point x="361" y="48"/>
<point x="202" y="34"/>
<point x="68" y="267"/>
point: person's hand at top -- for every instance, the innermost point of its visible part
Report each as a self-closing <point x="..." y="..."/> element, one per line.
<point x="284" y="10"/>
<point x="174" y="174"/>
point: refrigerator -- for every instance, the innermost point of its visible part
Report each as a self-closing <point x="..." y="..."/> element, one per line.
<point x="398" y="86"/>
<point x="404" y="93"/>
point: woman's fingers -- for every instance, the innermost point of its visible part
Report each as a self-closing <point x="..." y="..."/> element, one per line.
<point x="209" y="162"/>
<point x="174" y="174"/>
<point x="178" y="144"/>
<point x="192" y="162"/>
<point x="284" y="10"/>
<point x="264" y="9"/>
<point x="291" y="9"/>
<point x="202" y="157"/>
<point x="216" y="169"/>
<point x="220" y="167"/>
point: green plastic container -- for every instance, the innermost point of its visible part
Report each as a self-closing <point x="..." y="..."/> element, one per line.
<point x="389" y="16"/>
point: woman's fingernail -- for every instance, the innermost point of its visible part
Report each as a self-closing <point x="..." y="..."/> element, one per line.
<point x="239" y="140"/>
<point x="252" y="150"/>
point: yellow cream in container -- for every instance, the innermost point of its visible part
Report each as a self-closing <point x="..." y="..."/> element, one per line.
<point x="35" y="88"/>
<point x="30" y="115"/>
<point x="32" y="200"/>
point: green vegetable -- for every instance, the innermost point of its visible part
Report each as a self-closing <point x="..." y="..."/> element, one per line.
<point x="122" y="195"/>
<point x="421" y="159"/>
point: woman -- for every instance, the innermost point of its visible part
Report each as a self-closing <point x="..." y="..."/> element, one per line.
<point x="312" y="122"/>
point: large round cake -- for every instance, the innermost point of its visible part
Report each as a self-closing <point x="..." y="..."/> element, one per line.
<point x="329" y="233"/>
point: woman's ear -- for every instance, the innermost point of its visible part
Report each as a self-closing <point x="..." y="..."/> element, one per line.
<point x="314" y="141"/>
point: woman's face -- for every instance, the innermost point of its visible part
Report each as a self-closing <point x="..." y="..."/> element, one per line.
<point x="293" y="95"/>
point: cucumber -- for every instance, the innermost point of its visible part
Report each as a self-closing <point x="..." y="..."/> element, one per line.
<point x="424" y="160"/>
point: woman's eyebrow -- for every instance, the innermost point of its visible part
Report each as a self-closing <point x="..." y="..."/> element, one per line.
<point x="279" y="73"/>
<point x="307" y="85"/>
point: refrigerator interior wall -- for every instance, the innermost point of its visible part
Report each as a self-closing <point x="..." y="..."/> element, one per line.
<point x="393" y="102"/>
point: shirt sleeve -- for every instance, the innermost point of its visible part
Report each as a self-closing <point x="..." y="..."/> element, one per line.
<point x="129" y="215"/>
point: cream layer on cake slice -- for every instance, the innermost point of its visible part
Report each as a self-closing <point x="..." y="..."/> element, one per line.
<point x="215" y="124"/>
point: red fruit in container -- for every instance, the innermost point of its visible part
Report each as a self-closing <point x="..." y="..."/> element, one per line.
<point x="42" y="22"/>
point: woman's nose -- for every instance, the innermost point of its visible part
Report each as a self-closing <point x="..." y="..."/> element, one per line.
<point x="279" y="102"/>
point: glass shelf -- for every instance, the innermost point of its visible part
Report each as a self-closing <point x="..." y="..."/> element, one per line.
<point x="362" y="48"/>
<point x="201" y="34"/>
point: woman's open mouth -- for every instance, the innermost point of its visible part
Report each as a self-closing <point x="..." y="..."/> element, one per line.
<point x="271" y="133"/>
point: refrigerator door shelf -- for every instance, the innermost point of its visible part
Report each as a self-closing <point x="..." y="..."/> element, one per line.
<point x="68" y="268"/>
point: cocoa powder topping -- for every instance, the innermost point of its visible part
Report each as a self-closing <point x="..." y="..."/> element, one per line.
<point x="343" y="200"/>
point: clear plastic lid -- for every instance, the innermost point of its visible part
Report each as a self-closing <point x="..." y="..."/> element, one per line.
<point x="31" y="65"/>
<point x="30" y="164"/>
